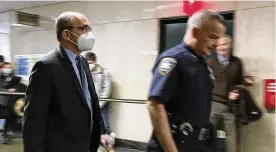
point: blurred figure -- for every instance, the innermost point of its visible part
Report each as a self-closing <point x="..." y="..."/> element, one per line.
<point x="7" y="81"/>
<point x="11" y="83"/>
<point x="227" y="69"/>
<point x="181" y="90"/>
<point x="228" y="74"/>
<point x="2" y="59"/>
<point x="102" y="82"/>
<point x="62" y="112"/>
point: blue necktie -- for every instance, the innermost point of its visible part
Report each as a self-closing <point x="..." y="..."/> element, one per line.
<point x="81" y="71"/>
<point x="82" y="81"/>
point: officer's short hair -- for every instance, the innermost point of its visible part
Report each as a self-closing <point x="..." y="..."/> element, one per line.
<point x="2" y="59"/>
<point x="63" y="21"/>
<point x="203" y="17"/>
<point x="91" y="56"/>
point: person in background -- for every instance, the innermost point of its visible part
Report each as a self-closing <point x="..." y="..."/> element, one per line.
<point x="2" y="60"/>
<point x="228" y="81"/>
<point x="227" y="72"/>
<point x="103" y="85"/>
<point x="227" y="69"/>
<point x="2" y="106"/>
<point x="11" y="83"/>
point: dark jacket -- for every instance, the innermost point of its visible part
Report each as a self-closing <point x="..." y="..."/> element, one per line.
<point x="57" y="117"/>
<point x="245" y="105"/>
<point x="225" y="77"/>
<point x="10" y="82"/>
<point x="8" y="101"/>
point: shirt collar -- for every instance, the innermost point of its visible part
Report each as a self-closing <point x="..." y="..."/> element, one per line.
<point x="223" y="60"/>
<point x="185" y="45"/>
<point x="72" y="56"/>
<point x="220" y="57"/>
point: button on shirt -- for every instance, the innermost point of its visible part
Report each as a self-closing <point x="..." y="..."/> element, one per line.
<point x="86" y="92"/>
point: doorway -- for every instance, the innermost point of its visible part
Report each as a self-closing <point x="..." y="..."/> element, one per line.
<point x="172" y="30"/>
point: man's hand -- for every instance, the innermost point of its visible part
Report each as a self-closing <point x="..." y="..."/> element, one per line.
<point x="108" y="141"/>
<point x="103" y="139"/>
<point x="233" y="95"/>
<point x="11" y="90"/>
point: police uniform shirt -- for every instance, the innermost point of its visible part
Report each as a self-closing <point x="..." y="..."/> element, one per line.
<point x="182" y="82"/>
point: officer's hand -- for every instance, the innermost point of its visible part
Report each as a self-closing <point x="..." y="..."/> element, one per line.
<point x="233" y="95"/>
<point x="11" y="90"/>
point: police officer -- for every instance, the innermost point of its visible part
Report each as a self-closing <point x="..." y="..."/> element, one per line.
<point x="180" y="93"/>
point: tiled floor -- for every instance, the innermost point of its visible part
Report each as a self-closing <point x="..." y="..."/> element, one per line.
<point x="126" y="150"/>
<point x="17" y="146"/>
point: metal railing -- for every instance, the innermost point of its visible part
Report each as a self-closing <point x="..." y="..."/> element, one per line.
<point x="12" y="93"/>
<point x="134" y="101"/>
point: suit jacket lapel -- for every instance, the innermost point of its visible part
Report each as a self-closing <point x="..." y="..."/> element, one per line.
<point x="91" y="87"/>
<point x="230" y="65"/>
<point x="70" y="70"/>
<point x="231" y="68"/>
<point x="216" y="65"/>
<point x="90" y="82"/>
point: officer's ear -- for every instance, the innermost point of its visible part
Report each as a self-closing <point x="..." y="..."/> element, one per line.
<point x="195" y="32"/>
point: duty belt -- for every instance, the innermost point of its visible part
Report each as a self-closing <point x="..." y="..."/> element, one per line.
<point x="186" y="131"/>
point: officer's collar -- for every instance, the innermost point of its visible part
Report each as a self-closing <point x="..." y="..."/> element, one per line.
<point x="185" y="45"/>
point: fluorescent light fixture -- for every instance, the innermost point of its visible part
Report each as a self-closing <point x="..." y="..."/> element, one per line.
<point x="15" y="24"/>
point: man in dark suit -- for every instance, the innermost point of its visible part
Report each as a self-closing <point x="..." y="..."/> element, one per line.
<point x="62" y="111"/>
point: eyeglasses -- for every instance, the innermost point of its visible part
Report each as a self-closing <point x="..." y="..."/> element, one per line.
<point x="82" y="28"/>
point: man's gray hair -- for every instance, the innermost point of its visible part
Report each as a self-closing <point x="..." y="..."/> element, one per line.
<point x="63" y="21"/>
<point x="203" y="17"/>
<point x="227" y="37"/>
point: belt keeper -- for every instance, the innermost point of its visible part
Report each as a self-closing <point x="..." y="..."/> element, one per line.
<point x="203" y="134"/>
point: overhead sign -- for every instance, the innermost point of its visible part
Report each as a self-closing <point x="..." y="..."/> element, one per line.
<point x="22" y="65"/>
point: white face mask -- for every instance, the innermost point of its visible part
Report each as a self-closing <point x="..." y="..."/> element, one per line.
<point x="85" y="41"/>
<point x="7" y="71"/>
<point x="92" y="66"/>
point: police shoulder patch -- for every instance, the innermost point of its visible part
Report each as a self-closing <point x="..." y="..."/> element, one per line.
<point x="166" y="65"/>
